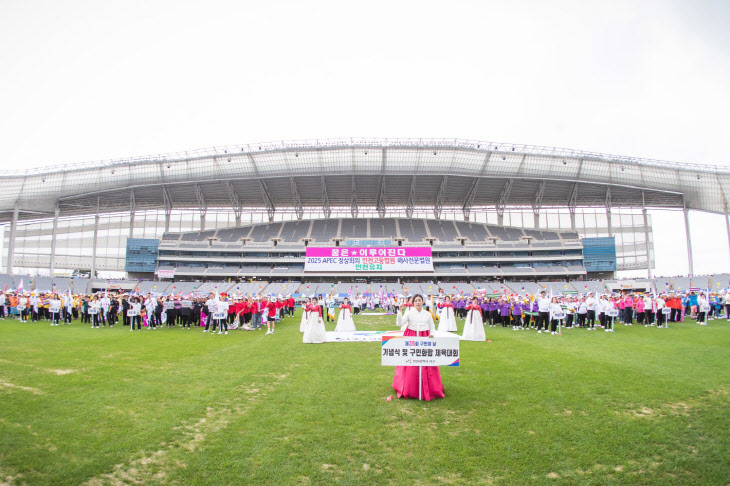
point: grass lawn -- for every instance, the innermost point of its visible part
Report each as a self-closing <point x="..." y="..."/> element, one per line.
<point x="108" y="406"/>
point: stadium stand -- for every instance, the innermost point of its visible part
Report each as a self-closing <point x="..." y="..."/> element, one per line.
<point x="414" y="230"/>
<point x="475" y="232"/>
<point x="199" y="236"/>
<point x="294" y="231"/>
<point x="388" y="287"/>
<point x="505" y="233"/>
<point x="324" y="230"/>
<point x="456" y="287"/>
<point x="445" y="231"/>
<point x="723" y="279"/>
<point x="663" y="284"/>
<point x="682" y="283"/>
<point x="383" y="228"/>
<point x="62" y="284"/>
<point x="232" y="235"/>
<point x="283" y="288"/>
<point x="354" y="228"/>
<point x="264" y="232"/>
<point x="42" y="284"/>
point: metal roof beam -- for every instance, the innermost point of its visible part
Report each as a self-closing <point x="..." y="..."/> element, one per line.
<point x="235" y="200"/>
<point x="608" y="199"/>
<point x="470" y="196"/>
<point x="296" y="199"/>
<point x="353" y="200"/>
<point x="537" y="203"/>
<point x="439" y="205"/>
<point x="573" y="199"/>
<point x="504" y="197"/>
<point x="326" y="209"/>
<point x="200" y="197"/>
<point x="270" y="208"/>
<point x="381" y="204"/>
<point x="411" y="198"/>
<point x="167" y="200"/>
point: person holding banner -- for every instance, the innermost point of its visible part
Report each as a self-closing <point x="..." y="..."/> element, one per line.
<point x="134" y="313"/>
<point x="474" y="325"/>
<point x="55" y="310"/>
<point x="314" y="333"/>
<point x="418" y="322"/>
<point x="344" y="320"/>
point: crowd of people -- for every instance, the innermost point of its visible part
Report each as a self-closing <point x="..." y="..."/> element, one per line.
<point x="221" y="312"/>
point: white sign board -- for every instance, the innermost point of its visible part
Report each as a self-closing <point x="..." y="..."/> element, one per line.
<point x="612" y="313"/>
<point x="219" y="315"/>
<point x="419" y="351"/>
<point x="666" y="310"/>
<point x="54" y="310"/>
<point x="132" y="313"/>
<point x="93" y="311"/>
<point x="166" y="273"/>
<point x="704" y="308"/>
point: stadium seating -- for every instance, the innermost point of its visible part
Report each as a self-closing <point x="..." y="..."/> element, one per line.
<point x="354" y="228"/>
<point x="682" y="283"/>
<point x="294" y="231"/>
<point x="457" y="287"/>
<point x="232" y="235"/>
<point x="414" y="230"/>
<point x="445" y="231"/>
<point x="475" y="232"/>
<point x="283" y="288"/>
<point x="383" y="228"/>
<point x="505" y="233"/>
<point x="42" y="284"/>
<point x="199" y="236"/>
<point x="62" y="284"/>
<point x="324" y="230"/>
<point x="152" y="286"/>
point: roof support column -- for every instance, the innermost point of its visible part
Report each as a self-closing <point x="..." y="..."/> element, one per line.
<point x="537" y="204"/>
<point x="608" y="210"/>
<point x="727" y="224"/>
<point x="168" y="207"/>
<point x="92" y="274"/>
<point x="572" y="203"/>
<point x="647" y="245"/>
<point x="11" y="241"/>
<point x="132" y="211"/>
<point x="53" y="239"/>
<point x="503" y="198"/>
<point x="689" y="242"/>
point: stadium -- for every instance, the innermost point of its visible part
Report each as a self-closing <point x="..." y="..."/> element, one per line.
<point x="494" y="216"/>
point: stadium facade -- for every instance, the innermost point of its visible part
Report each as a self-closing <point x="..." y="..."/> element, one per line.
<point x="488" y="210"/>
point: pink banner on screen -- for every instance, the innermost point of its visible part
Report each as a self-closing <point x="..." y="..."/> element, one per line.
<point x="368" y="259"/>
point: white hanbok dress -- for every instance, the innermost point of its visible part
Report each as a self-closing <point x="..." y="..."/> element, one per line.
<point x="447" y="321"/>
<point x="314" y="332"/>
<point x="303" y="323"/>
<point x="474" y="327"/>
<point x="344" y="321"/>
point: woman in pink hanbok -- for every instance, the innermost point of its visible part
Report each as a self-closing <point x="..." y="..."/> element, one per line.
<point x="418" y="322"/>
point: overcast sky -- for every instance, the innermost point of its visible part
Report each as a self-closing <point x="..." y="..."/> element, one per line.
<point x="95" y="80"/>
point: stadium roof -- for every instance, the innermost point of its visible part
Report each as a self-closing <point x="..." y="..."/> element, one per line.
<point x="358" y="173"/>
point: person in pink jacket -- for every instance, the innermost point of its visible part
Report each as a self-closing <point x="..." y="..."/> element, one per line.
<point x="639" y="306"/>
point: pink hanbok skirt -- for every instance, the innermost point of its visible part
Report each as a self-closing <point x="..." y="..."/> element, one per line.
<point x="405" y="381"/>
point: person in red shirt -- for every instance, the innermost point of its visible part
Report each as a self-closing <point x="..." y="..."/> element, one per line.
<point x="255" y="310"/>
<point x="290" y="304"/>
<point x="271" y="318"/>
<point x="241" y="304"/>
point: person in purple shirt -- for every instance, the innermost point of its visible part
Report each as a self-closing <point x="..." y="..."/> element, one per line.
<point x="516" y="315"/>
<point x="459" y="308"/>
<point x="504" y="308"/>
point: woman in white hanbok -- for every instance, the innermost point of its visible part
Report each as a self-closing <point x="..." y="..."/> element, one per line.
<point x="474" y="326"/>
<point x="447" y="320"/>
<point x="344" y="320"/>
<point x="305" y="315"/>
<point x="314" y="332"/>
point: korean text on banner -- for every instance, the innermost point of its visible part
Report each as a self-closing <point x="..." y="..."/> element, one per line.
<point x="419" y="351"/>
<point x="368" y="259"/>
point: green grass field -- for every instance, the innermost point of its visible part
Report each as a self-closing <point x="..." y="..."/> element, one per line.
<point x="107" y="406"/>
